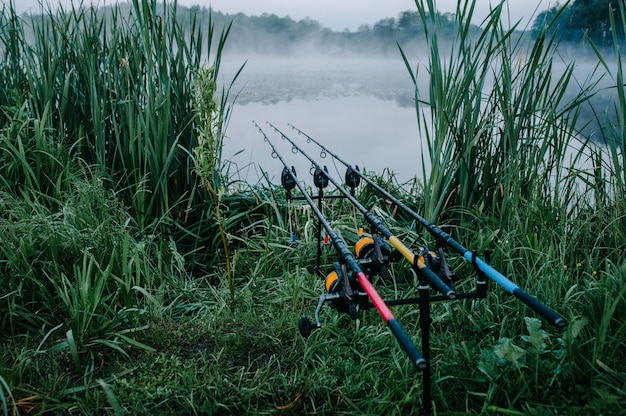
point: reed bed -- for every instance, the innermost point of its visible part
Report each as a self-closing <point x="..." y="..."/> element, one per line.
<point x="510" y="164"/>
<point x="136" y="280"/>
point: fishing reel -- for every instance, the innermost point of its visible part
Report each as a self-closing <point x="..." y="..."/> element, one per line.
<point x="436" y="262"/>
<point x="343" y="294"/>
<point x="373" y="255"/>
<point x="340" y="282"/>
<point x="342" y="290"/>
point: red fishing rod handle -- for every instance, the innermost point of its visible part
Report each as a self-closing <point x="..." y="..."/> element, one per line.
<point x="403" y="339"/>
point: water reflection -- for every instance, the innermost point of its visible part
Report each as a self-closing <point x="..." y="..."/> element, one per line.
<point x="272" y="80"/>
<point x="363" y="110"/>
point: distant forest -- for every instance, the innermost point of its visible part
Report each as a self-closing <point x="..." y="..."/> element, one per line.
<point x="271" y="34"/>
<point x="590" y="18"/>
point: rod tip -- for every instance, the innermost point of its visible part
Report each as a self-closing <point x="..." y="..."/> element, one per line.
<point x="421" y="364"/>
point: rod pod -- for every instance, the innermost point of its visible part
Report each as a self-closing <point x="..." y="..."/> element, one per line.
<point x="420" y="267"/>
<point x="401" y="336"/>
<point x="469" y="256"/>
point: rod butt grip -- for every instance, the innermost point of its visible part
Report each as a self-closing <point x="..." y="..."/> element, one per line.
<point x="540" y="308"/>
<point x="416" y="357"/>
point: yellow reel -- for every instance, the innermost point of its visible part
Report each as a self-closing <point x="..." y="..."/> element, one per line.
<point x="332" y="282"/>
<point x="432" y="256"/>
<point x="363" y="246"/>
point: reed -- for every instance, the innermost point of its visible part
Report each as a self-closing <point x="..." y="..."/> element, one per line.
<point x="118" y="89"/>
<point x="509" y="162"/>
<point x="116" y="300"/>
<point x="496" y="117"/>
<point x="97" y="137"/>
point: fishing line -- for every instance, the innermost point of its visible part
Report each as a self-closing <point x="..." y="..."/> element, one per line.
<point x="351" y="263"/>
<point x="442" y="237"/>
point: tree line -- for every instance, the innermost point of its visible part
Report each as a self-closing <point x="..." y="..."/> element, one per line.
<point x="269" y="33"/>
<point x="584" y="18"/>
<point x="272" y="34"/>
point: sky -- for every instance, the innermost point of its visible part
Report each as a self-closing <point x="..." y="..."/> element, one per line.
<point x="334" y="14"/>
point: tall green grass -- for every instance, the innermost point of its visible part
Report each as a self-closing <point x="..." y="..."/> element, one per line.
<point x="87" y="94"/>
<point x="99" y="193"/>
<point x="104" y="310"/>
<point x="509" y="168"/>
<point x="118" y="90"/>
<point x="497" y="115"/>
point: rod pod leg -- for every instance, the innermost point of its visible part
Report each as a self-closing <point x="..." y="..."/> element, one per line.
<point x="425" y="320"/>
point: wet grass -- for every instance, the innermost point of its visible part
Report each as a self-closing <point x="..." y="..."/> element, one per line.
<point x="116" y="296"/>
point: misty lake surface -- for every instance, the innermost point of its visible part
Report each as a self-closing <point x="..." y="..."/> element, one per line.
<point x="361" y="109"/>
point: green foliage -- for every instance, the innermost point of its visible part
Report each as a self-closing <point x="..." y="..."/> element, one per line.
<point x="539" y="361"/>
<point x="208" y="152"/>
<point x="496" y="123"/>
<point x="76" y="255"/>
<point x="584" y="18"/>
<point x="506" y="165"/>
<point x="116" y="89"/>
<point x="34" y="163"/>
<point x="96" y="140"/>
<point x="101" y="314"/>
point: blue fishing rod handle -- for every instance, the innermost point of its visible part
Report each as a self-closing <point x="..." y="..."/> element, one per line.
<point x="540" y="308"/>
<point x="515" y="290"/>
<point x="416" y="357"/>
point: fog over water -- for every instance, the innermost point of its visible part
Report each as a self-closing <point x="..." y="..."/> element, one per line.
<point x="362" y="109"/>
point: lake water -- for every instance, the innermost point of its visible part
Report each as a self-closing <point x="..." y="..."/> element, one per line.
<point x="360" y="109"/>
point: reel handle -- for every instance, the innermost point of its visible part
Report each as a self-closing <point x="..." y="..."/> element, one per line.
<point x="305" y="326"/>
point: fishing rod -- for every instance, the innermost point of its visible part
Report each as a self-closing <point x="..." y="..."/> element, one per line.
<point x="441" y="236"/>
<point x="345" y="292"/>
<point x="417" y="260"/>
<point x="427" y="265"/>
